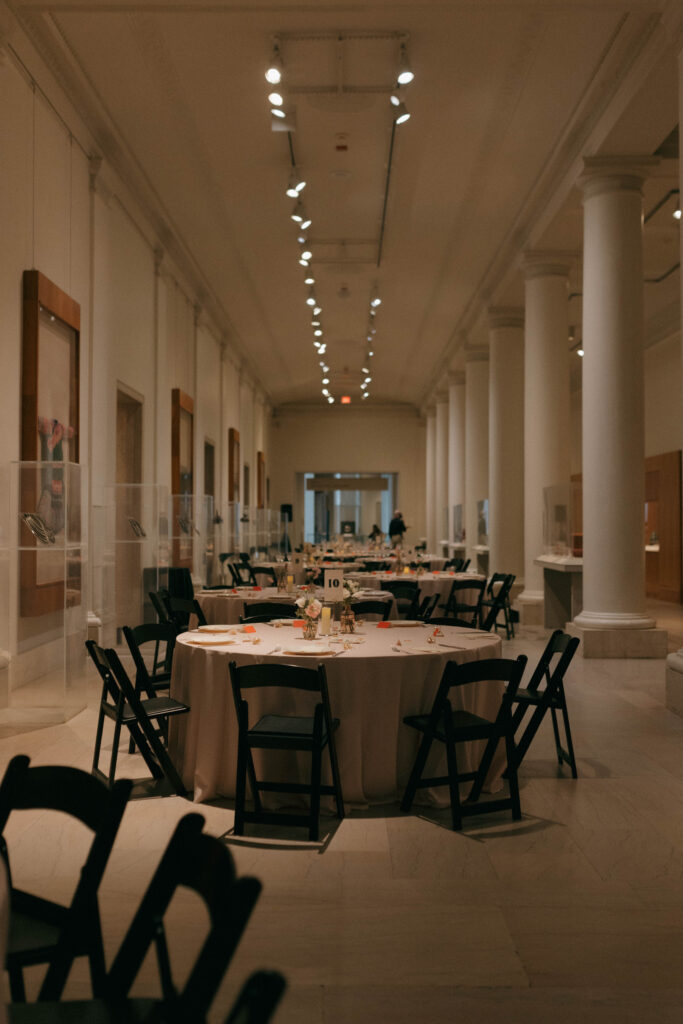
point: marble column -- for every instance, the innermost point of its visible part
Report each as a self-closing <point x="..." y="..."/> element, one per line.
<point x="476" y="446"/>
<point x="441" y="471"/>
<point x="613" y="622"/>
<point x="430" y="495"/>
<point x="456" y="458"/>
<point x="546" y="408"/>
<point x="506" y="441"/>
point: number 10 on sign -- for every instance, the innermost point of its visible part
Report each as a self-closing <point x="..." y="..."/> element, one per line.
<point x="334" y="584"/>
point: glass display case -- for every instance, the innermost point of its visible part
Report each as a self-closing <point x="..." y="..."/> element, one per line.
<point x="562" y="530"/>
<point x="43" y="607"/>
<point x="131" y="555"/>
<point x="191" y="533"/>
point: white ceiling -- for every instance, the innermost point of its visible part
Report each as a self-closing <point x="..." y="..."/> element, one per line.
<point x="506" y="99"/>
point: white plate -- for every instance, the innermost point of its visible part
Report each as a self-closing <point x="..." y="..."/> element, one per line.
<point x="398" y="623"/>
<point x="308" y="647"/>
<point x="215" y="629"/>
<point x="420" y="649"/>
<point x="210" y="643"/>
<point x="284" y="622"/>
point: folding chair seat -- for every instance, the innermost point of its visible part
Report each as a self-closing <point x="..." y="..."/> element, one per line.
<point x="464" y="600"/>
<point x="42" y="931"/>
<point x="203" y="864"/>
<point x="451" y="727"/>
<point x="179" y="610"/>
<point x="275" y="731"/>
<point x="123" y="706"/>
<point x="263" y="611"/>
<point x="495" y="601"/>
<point x="561" y="648"/>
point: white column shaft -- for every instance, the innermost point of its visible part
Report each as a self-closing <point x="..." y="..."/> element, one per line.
<point x="441" y="471"/>
<point x="456" y="448"/>
<point x="546" y="409"/>
<point x="476" y="446"/>
<point x="506" y="448"/>
<point x="430" y="477"/>
<point x="613" y="407"/>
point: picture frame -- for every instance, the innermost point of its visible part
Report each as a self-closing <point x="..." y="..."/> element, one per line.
<point x="233" y="464"/>
<point x="49" y="495"/>
<point x="182" y="478"/>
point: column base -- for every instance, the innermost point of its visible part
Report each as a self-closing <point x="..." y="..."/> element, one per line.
<point x="619" y="643"/>
<point x="531" y="607"/>
<point x="674" y="682"/>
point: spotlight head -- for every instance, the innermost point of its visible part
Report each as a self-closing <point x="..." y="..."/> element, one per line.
<point x="318" y="333"/>
<point x="317" y="310"/>
<point x="296" y="183"/>
<point x="310" y="298"/>
<point x="330" y="399"/>
<point x="325" y="392"/>
<point x="306" y="254"/>
<point x="309" y="279"/>
<point x="298" y="213"/>
<point x="322" y="350"/>
<point x="401" y="114"/>
<point x="274" y="69"/>
<point x="306" y="221"/>
<point x="278" y="112"/>
<point x="677" y="212"/>
<point x="326" y="380"/>
<point x="405" y="74"/>
<point x="275" y="99"/>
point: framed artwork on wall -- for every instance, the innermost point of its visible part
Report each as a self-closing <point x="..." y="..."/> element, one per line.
<point x="182" y="477"/>
<point x="260" y="480"/>
<point x="49" y="494"/>
<point x="233" y="464"/>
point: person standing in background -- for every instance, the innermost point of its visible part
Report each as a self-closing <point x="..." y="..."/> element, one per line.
<point x="396" y="529"/>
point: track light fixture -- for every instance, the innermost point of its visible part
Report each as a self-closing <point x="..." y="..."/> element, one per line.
<point x="405" y="73"/>
<point x="274" y="69"/>
<point x="317" y="310"/>
<point x="296" y="183"/>
<point x="276" y="99"/>
<point x="306" y="254"/>
<point x="309" y="279"/>
<point x="401" y="114"/>
<point x="375" y="300"/>
<point x="310" y="298"/>
<point x="298" y="213"/>
<point x="677" y="211"/>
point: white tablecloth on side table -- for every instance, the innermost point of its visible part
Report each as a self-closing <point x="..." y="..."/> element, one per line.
<point x="372" y="687"/>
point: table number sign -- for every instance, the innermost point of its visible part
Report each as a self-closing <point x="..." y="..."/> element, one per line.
<point x="334" y="584"/>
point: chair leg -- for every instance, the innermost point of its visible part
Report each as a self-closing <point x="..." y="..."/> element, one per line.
<point x="452" y="762"/>
<point x="314" y="825"/>
<point x="114" y="752"/>
<point x="416" y="773"/>
<point x="529" y="733"/>
<point x="484" y="768"/>
<point x="569" y="757"/>
<point x="16" y="984"/>
<point x="240" y="784"/>
<point x="512" y="776"/>
<point x="336" y="777"/>
<point x="98" y="740"/>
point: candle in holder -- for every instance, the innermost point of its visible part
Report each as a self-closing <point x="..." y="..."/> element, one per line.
<point x="325" y="618"/>
<point x="290" y="584"/>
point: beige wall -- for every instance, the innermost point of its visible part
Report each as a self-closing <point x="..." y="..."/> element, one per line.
<point x="663" y="398"/>
<point x="348" y="440"/>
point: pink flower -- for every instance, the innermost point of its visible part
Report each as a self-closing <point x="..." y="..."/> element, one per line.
<point x="313" y="609"/>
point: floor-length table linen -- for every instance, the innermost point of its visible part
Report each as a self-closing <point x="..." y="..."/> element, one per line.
<point x="372" y="686"/>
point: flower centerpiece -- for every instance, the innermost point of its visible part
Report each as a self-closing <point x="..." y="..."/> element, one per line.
<point x="311" y="608"/>
<point x="348" y="619"/>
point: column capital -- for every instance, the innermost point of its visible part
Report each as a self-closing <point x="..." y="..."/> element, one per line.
<point x="477" y="354"/>
<point x="505" y="316"/>
<point x="615" y="173"/>
<point x="455" y="377"/>
<point x="547" y="262"/>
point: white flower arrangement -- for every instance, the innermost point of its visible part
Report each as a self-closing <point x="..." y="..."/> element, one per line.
<point x="350" y="588"/>
<point x="310" y="606"/>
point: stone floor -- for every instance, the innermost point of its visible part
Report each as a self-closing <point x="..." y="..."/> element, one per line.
<point x="576" y="911"/>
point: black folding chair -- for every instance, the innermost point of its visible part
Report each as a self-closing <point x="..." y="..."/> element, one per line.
<point x="203" y="864"/>
<point x="158" y="601"/>
<point x="42" y="931"/>
<point x="464" y="600"/>
<point x="264" y="611"/>
<point x="179" y="610"/>
<point x="242" y="574"/>
<point x="157" y="677"/>
<point x="264" y="573"/>
<point x="451" y="727"/>
<point x="275" y="731"/>
<point x="377" y="609"/>
<point x="257" y="1001"/>
<point x="561" y="648"/>
<point x="495" y="601"/>
<point x="406" y="594"/>
<point x="123" y="706"/>
<point x="426" y="608"/>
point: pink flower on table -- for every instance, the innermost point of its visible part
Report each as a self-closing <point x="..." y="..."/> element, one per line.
<point x="313" y="609"/>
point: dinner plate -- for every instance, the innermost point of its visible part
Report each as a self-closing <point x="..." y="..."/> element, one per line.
<point x="421" y="649"/>
<point x="285" y="622"/>
<point x="399" y="623"/>
<point x="215" y="629"/>
<point x="308" y="647"/>
<point x="210" y="643"/>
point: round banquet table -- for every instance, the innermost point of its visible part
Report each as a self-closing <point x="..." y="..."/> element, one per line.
<point x="372" y="685"/>
<point x="429" y="583"/>
<point x="226" y="606"/>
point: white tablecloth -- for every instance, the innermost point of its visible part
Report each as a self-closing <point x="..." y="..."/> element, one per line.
<point x="372" y="687"/>
<point x="226" y="606"/>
